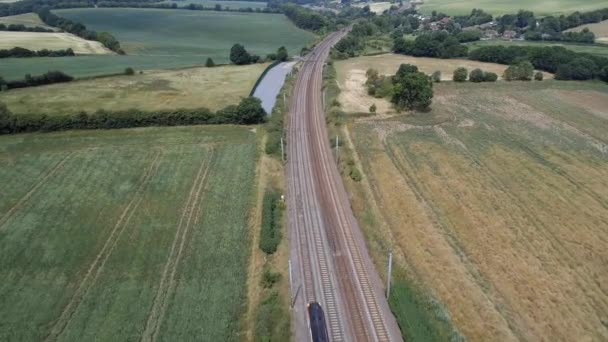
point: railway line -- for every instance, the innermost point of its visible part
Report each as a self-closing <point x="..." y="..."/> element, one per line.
<point x="330" y="261"/>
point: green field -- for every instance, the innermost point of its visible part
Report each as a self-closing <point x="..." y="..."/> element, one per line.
<point x="167" y="39"/>
<point x="224" y="4"/>
<point x="596" y="49"/>
<point x="542" y="7"/>
<point x="111" y="235"/>
<point x="501" y="192"/>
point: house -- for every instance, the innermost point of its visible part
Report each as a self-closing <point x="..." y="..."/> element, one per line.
<point x="508" y="34"/>
<point x="490" y="34"/>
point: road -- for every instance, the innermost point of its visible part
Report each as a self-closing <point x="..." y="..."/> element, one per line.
<point x="330" y="262"/>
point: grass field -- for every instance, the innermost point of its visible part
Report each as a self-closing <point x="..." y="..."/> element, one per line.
<point x="351" y="76"/>
<point x="497" y="202"/>
<point x="224" y="4"/>
<point x="115" y="235"/>
<point x="600" y="29"/>
<point x="158" y="39"/>
<point x="213" y="88"/>
<point x="597" y="49"/>
<point x="50" y="41"/>
<point x="543" y="7"/>
<point x="27" y="19"/>
<point x="376" y="7"/>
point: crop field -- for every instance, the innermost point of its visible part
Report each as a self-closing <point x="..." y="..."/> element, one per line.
<point x="600" y="29"/>
<point x="27" y="19"/>
<point x="543" y="7"/>
<point x="213" y="88"/>
<point x="50" y="41"/>
<point x="125" y="234"/>
<point x="159" y="39"/>
<point x="224" y="4"/>
<point x="497" y="201"/>
<point x="594" y="49"/>
<point x="351" y="76"/>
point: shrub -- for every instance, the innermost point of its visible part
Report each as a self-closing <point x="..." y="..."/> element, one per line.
<point x="270" y="235"/>
<point x="476" y="75"/>
<point x="269" y="278"/>
<point x="460" y="75"/>
<point x="538" y="76"/>
<point x="489" y="77"/>
<point x="372" y="108"/>
<point x="129" y="71"/>
<point x="436" y="76"/>
<point x="521" y="71"/>
<point x="209" y="63"/>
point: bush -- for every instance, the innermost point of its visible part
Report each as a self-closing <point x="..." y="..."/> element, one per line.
<point x="522" y="71"/>
<point x="436" y="76"/>
<point x="209" y="63"/>
<point x="372" y="108"/>
<point x="538" y="76"/>
<point x="460" y="75"/>
<point x="269" y="278"/>
<point x="129" y="71"/>
<point x="489" y="77"/>
<point x="476" y="76"/>
<point x="270" y="234"/>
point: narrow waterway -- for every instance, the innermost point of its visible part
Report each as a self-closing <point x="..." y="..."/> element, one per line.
<point x="271" y="85"/>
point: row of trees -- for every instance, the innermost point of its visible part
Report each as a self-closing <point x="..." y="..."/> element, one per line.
<point x="38" y="80"/>
<point x="80" y="30"/>
<point x="476" y="75"/>
<point x="240" y="56"/>
<point x="304" y="18"/>
<point x="19" y="52"/>
<point x="248" y="111"/>
<point x="436" y="44"/>
<point x="22" y="28"/>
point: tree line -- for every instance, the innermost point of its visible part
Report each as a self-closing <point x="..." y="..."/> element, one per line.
<point x="249" y="111"/>
<point x="23" y="28"/>
<point x="80" y="30"/>
<point x="19" y="52"/>
<point x="37" y="80"/>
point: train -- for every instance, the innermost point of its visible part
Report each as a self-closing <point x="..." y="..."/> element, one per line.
<point x="316" y="318"/>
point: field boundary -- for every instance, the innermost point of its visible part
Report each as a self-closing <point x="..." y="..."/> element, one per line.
<point x="97" y="266"/>
<point x="23" y="200"/>
<point x="164" y="291"/>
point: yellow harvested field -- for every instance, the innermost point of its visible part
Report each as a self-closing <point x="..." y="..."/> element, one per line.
<point x="351" y="76"/>
<point x="376" y="7"/>
<point x="500" y="208"/>
<point x="213" y="88"/>
<point x="27" y="19"/>
<point x="600" y="29"/>
<point x="50" y="41"/>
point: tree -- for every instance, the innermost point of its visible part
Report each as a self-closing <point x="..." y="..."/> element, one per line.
<point x="604" y="74"/>
<point x="538" y="76"/>
<point x="578" y="69"/>
<point x="250" y="111"/>
<point x="476" y="76"/>
<point x="129" y="71"/>
<point x="413" y="91"/>
<point x="209" y="63"/>
<point x="282" y="55"/>
<point x="239" y="56"/>
<point x="402" y="72"/>
<point x="460" y="75"/>
<point x="372" y="108"/>
<point x="217" y="7"/>
<point x="436" y="76"/>
<point x="521" y="71"/>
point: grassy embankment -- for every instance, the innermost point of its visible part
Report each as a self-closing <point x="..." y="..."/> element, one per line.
<point x="162" y="39"/>
<point x="213" y="88"/>
<point x="495" y="202"/>
<point x="114" y="234"/>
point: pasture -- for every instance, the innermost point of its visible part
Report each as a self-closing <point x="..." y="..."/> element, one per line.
<point x="593" y="49"/>
<point x="496" y="201"/>
<point x="50" y="41"/>
<point x="376" y="7"/>
<point x="599" y="29"/>
<point x="213" y="88"/>
<point x="496" y="7"/>
<point x="125" y="234"/>
<point x="160" y="39"/>
<point x="351" y="76"/>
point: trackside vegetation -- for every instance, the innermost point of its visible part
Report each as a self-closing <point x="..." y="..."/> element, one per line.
<point x="270" y="234"/>
<point x="248" y="111"/>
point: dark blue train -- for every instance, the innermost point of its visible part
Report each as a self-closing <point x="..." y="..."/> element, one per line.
<point x="318" y="329"/>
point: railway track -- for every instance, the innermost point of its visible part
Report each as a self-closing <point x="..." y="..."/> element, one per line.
<point x="331" y="262"/>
